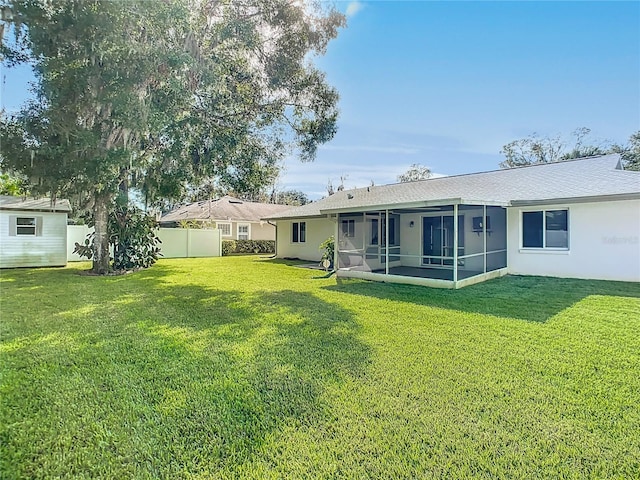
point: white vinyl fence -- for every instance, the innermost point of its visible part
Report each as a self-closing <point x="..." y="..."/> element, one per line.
<point x="176" y="242"/>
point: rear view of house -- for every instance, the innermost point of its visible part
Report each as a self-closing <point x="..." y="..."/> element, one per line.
<point x="236" y="219"/>
<point x="576" y="219"/>
<point x="33" y="233"/>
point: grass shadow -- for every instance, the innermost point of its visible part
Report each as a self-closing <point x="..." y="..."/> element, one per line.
<point x="534" y="299"/>
<point x="159" y="379"/>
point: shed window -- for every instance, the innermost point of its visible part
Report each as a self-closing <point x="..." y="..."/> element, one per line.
<point x="26" y="226"/>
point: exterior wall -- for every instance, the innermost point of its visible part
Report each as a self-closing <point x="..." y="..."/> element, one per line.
<point x="262" y="232"/>
<point x="318" y="230"/>
<point x="257" y="230"/>
<point x="411" y="239"/>
<point x="46" y="250"/>
<point x="604" y="243"/>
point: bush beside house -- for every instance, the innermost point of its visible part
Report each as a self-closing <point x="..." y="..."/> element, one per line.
<point x="230" y="247"/>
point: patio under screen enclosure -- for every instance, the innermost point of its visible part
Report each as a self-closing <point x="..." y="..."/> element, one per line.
<point x="446" y="246"/>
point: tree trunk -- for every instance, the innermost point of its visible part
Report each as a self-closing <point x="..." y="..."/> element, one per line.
<point x="101" y="238"/>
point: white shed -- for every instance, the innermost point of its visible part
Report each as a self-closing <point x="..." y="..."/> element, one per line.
<point x="33" y="233"/>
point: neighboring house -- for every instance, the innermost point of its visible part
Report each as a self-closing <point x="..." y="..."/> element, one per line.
<point x="576" y="219"/>
<point x="236" y="219"/>
<point x="33" y="233"/>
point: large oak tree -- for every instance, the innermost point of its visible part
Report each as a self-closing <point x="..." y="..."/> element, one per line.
<point x="156" y="95"/>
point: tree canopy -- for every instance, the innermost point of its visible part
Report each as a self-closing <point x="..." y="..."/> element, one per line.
<point x="536" y="149"/>
<point x="414" y="173"/>
<point x="156" y="95"/>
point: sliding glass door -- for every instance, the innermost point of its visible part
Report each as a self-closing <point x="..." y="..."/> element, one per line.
<point x="438" y="240"/>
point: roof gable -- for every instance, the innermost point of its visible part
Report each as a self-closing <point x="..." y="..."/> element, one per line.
<point x="226" y="208"/>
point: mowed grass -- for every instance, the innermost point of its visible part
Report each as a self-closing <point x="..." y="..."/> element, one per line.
<point x="241" y="367"/>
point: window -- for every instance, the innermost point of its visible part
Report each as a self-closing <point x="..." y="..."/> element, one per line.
<point x="373" y="239"/>
<point x="394" y="231"/>
<point x="545" y="229"/>
<point x="225" y="229"/>
<point x="349" y="228"/>
<point x="243" y="231"/>
<point x="299" y="233"/>
<point x="26" y="226"/>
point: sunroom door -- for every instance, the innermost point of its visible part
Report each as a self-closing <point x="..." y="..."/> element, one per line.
<point x="432" y="240"/>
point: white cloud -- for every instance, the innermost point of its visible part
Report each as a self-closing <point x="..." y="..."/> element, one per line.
<point x="353" y="8"/>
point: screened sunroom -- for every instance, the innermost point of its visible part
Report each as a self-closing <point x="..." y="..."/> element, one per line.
<point x="446" y="246"/>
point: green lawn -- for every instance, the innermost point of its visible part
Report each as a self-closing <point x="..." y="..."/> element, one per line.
<point x="239" y="367"/>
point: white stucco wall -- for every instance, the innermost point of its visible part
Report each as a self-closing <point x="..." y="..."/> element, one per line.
<point x="604" y="243"/>
<point x="46" y="250"/>
<point x="318" y="230"/>
<point x="411" y="239"/>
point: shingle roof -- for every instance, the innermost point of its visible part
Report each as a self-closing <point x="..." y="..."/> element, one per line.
<point x="225" y="208"/>
<point x="41" y="204"/>
<point x="573" y="179"/>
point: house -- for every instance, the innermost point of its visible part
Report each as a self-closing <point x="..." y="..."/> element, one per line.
<point x="576" y="219"/>
<point x="33" y="233"/>
<point x="236" y="219"/>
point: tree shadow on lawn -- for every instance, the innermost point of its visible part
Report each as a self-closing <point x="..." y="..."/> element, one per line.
<point x="170" y="379"/>
<point x="534" y="299"/>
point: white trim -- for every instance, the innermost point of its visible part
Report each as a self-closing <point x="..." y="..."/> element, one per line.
<point x="545" y="251"/>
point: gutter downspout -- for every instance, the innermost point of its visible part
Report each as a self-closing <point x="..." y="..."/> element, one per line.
<point x="275" y="248"/>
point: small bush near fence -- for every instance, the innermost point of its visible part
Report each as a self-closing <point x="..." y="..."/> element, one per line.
<point x="230" y="247"/>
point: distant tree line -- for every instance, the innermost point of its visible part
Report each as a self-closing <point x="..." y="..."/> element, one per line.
<point x="536" y="149"/>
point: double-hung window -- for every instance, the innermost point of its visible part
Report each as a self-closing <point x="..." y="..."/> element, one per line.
<point x="225" y="229"/>
<point x="26" y="226"/>
<point x="243" y="231"/>
<point x="299" y="232"/>
<point x="545" y="229"/>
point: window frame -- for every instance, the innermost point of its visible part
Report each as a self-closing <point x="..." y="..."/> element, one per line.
<point x="33" y="225"/>
<point x="248" y="225"/>
<point x="226" y="224"/>
<point x="298" y="232"/>
<point x="350" y="231"/>
<point x="544" y="246"/>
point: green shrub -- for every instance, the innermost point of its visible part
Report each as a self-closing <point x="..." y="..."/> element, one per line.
<point x="228" y="247"/>
<point x="328" y="247"/>
<point x="132" y="238"/>
<point x="248" y="246"/>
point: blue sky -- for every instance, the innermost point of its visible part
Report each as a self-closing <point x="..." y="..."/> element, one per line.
<point x="446" y="84"/>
